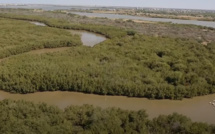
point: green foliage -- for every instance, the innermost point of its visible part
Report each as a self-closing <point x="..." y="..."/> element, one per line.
<point x="108" y="31"/>
<point x="131" y="32"/>
<point x="26" y="117"/>
<point x="18" y="37"/>
<point x="179" y="124"/>
<point x="136" y="66"/>
<point x="203" y="34"/>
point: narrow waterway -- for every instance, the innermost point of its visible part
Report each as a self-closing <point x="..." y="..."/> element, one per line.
<point x="38" y="23"/>
<point x="176" y="21"/>
<point x="88" y="38"/>
<point x="198" y="108"/>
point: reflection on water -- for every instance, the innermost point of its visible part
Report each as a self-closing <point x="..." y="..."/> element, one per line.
<point x="198" y="108"/>
<point x="38" y="23"/>
<point x="89" y="38"/>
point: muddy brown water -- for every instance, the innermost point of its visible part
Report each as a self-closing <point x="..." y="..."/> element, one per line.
<point x="198" y="108"/>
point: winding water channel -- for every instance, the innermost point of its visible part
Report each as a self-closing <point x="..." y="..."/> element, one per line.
<point x="176" y="21"/>
<point x="198" y="108"/>
<point x="87" y="38"/>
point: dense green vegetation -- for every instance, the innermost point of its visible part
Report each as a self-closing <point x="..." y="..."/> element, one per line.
<point x="138" y="66"/>
<point x="152" y="29"/>
<point x="108" y="31"/>
<point x="18" y="36"/>
<point x="132" y="65"/>
<point x="26" y="117"/>
<point x="128" y="64"/>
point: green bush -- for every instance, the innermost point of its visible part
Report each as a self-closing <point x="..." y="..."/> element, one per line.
<point x="133" y="68"/>
<point x="26" y="117"/>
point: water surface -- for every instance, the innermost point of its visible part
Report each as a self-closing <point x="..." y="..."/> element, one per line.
<point x="38" y="23"/>
<point x="176" y="21"/>
<point x="87" y="38"/>
<point x="111" y="16"/>
<point x="198" y="108"/>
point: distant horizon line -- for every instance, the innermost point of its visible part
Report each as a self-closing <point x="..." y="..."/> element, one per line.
<point x="15" y="4"/>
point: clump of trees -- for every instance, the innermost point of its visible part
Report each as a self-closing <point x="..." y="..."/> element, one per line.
<point x="128" y="64"/>
<point x="108" y="31"/>
<point x="18" y="37"/>
<point x="153" y="29"/>
<point x="135" y="66"/>
<point x="27" y="117"/>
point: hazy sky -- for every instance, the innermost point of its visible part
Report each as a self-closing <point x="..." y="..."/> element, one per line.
<point x="194" y="4"/>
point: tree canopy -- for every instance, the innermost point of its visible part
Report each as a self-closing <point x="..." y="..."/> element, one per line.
<point x="26" y="117"/>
